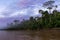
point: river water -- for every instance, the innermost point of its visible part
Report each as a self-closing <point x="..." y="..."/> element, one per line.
<point x="30" y="35"/>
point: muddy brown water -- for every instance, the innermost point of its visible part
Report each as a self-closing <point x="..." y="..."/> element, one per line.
<point x="30" y="35"/>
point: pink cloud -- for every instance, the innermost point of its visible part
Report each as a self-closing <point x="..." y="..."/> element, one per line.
<point x="25" y="3"/>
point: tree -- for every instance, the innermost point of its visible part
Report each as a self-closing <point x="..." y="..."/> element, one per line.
<point x="45" y="17"/>
<point x="56" y="7"/>
<point x="31" y="18"/>
<point x="16" y="21"/>
<point x="49" y="5"/>
<point x="42" y="12"/>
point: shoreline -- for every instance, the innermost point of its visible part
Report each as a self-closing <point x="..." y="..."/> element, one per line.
<point x="28" y="30"/>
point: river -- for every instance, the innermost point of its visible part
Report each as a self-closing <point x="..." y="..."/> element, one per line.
<point x="30" y="35"/>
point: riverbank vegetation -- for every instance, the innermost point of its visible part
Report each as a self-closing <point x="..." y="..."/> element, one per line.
<point x="48" y="20"/>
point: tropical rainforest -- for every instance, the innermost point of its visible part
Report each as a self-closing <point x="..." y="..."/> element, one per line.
<point x="48" y="19"/>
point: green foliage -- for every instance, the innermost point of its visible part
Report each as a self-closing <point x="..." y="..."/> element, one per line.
<point x="39" y="23"/>
<point x="46" y="21"/>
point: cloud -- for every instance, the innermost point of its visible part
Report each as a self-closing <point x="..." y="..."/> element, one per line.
<point x="28" y="3"/>
<point x="21" y="8"/>
<point x="19" y="12"/>
<point x="2" y="16"/>
<point x="26" y="8"/>
<point x="31" y="11"/>
<point x="2" y="7"/>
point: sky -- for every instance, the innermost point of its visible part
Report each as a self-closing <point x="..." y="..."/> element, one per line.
<point x="20" y="9"/>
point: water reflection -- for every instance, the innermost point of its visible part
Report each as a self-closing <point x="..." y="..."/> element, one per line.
<point x="30" y="35"/>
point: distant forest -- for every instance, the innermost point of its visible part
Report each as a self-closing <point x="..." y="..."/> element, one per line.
<point x="48" y="20"/>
